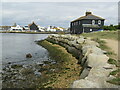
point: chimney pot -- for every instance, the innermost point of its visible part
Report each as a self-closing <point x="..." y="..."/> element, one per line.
<point x="87" y="13"/>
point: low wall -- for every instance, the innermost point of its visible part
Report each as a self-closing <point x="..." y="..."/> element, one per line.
<point x="95" y="70"/>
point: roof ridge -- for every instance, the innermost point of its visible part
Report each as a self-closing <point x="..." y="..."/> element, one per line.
<point x="98" y="16"/>
<point x="82" y="17"/>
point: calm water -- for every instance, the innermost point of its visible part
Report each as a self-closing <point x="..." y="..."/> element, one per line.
<point x="15" y="46"/>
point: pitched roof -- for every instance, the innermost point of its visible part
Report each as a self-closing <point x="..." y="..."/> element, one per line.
<point x="31" y="24"/>
<point x="89" y="16"/>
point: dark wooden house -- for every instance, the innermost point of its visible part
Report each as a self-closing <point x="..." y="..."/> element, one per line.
<point x="33" y="26"/>
<point x="87" y="23"/>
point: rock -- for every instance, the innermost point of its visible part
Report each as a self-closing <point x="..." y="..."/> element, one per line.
<point x="80" y="40"/>
<point x="91" y="49"/>
<point x="83" y="83"/>
<point x="95" y="60"/>
<point x="46" y="62"/>
<point x="37" y="73"/>
<point x="26" y="71"/>
<point x="84" y="73"/>
<point x="16" y="66"/>
<point x="9" y="62"/>
<point x="90" y="42"/>
<point x="28" y="55"/>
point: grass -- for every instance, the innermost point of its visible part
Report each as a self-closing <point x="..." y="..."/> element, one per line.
<point x="65" y="70"/>
<point x="115" y="81"/>
<point x="113" y="61"/>
<point x="115" y="72"/>
<point x="103" y="35"/>
<point x="101" y="43"/>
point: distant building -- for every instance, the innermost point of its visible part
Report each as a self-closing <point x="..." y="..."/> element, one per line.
<point x="51" y="29"/>
<point x="16" y="28"/>
<point x="41" y="29"/>
<point x="26" y="28"/>
<point x="33" y="26"/>
<point x="87" y="23"/>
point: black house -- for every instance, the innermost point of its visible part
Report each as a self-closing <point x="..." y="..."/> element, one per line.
<point x="87" y="23"/>
<point x="33" y="26"/>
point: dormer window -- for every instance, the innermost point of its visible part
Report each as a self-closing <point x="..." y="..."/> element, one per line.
<point x="99" y="21"/>
<point x="93" y="22"/>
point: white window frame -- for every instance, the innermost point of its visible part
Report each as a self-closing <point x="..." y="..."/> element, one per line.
<point x="93" y="22"/>
<point x="99" y="21"/>
<point x="91" y="30"/>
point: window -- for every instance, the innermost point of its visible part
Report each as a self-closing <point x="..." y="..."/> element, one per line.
<point x="73" y="23"/>
<point x="93" y="22"/>
<point x="79" y="22"/>
<point x="91" y="30"/>
<point x="99" y="21"/>
<point x="76" y="23"/>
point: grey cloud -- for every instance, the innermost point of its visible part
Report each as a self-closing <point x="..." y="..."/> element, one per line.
<point x="59" y="14"/>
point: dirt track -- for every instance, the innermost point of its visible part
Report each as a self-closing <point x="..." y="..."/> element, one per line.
<point x="113" y="44"/>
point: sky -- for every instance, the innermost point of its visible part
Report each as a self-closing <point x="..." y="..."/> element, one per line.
<point x="55" y="13"/>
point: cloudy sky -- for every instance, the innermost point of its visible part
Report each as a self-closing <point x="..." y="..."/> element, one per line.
<point x="55" y="13"/>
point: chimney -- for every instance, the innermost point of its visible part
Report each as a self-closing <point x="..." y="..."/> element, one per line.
<point x="88" y="13"/>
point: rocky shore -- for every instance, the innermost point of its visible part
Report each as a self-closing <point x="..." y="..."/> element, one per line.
<point x="25" y="76"/>
<point x="94" y="61"/>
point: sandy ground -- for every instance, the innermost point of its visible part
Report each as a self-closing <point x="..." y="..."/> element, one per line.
<point x="113" y="44"/>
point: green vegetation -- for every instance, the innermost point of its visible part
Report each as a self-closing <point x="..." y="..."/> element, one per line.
<point x="63" y="72"/>
<point x="111" y="27"/>
<point x="103" y="35"/>
<point x="115" y="72"/>
<point x="113" y="61"/>
<point x="115" y="81"/>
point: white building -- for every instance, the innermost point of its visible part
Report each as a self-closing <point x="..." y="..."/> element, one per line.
<point x="16" y="28"/>
<point x="51" y="29"/>
<point x="59" y="28"/>
<point x="42" y="29"/>
<point x="26" y="27"/>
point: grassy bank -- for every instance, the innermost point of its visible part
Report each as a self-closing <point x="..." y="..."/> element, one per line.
<point x="64" y="71"/>
<point x="103" y="35"/>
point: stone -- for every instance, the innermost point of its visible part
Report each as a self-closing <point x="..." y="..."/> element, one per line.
<point x="90" y="42"/>
<point x="85" y="84"/>
<point x="95" y="60"/>
<point x="84" y="73"/>
<point x="15" y="66"/>
<point x="26" y="71"/>
<point x="91" y="49"/>
<point x="28" y="55"/>
<point x="80" y="40"/>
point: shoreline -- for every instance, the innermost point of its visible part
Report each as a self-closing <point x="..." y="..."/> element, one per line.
<point x="68" y="69"/>
<point x="58" y="72"/>
<point x="35" y="32"/>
